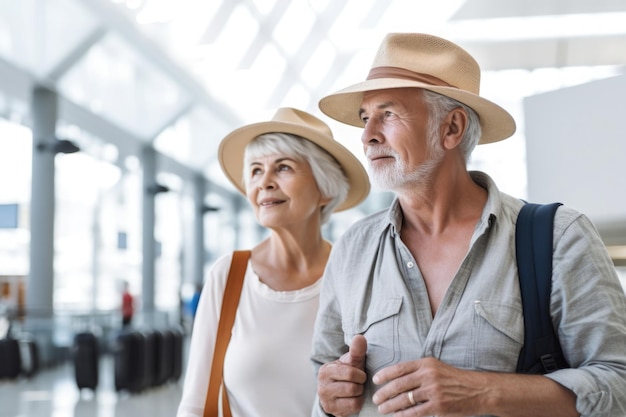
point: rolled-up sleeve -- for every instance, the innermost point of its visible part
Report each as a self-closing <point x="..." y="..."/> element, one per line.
<point x="589" y="310"/>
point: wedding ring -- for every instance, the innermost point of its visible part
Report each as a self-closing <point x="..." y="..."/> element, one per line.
<point x="410" y="395"/>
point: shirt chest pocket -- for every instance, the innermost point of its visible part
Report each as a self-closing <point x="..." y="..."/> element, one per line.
<point x="498" y="336"/>
<point x="379" y="325"/>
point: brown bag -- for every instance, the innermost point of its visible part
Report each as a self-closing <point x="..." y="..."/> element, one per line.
<point x="234" y="283"/>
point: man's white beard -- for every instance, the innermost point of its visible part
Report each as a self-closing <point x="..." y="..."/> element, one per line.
<point x="395" y="176"/>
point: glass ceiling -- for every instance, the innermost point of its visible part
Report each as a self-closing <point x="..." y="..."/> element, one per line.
<point x="183" y="73"/>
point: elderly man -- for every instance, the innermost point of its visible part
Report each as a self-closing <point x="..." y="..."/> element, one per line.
<point x="420" y="312"/>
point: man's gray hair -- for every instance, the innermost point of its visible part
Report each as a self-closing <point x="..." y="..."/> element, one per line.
<point x="328" y="174"/>
<point x="439" y="106"/>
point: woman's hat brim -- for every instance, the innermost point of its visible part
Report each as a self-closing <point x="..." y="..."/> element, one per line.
<point x="231" y="154"/>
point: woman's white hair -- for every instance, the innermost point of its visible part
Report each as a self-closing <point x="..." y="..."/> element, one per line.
<point x="439" y="106"/>
<point x="328" y="174"/>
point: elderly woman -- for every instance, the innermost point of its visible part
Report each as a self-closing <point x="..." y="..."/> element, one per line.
<point x="294" y="174"/>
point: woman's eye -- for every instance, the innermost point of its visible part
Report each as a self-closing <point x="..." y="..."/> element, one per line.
<point x="284" y="168"/>
<point x="255" y="171"/>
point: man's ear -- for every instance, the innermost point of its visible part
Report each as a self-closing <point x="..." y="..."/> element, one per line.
<point x="455" y="125"/>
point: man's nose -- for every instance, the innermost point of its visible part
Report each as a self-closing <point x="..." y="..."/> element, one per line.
<point x="371" y="133"/>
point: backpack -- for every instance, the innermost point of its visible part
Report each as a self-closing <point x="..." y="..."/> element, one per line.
<point x="541" y="352"/>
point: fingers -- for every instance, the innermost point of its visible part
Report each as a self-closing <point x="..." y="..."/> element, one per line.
<point x="398" y="388"/>
<point x="393" y="391"/>
<point x="350" y="367"/>
<point x="427" y="387"/>
<point x="338" y="382"/>
<point x="340" y="372"/>
<point x="343" y="406"/>
<point x="394" y="372"/>
<point x="340" y="389"/>
<point x="403" y="401"/>
<point x="356" y="353"/>
<point x="341" y="383"/>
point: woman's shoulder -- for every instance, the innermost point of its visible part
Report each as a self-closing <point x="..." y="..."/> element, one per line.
<point x="220" y="267"/>
<point x="222" y="262"/>
<point x="218" y="271"/>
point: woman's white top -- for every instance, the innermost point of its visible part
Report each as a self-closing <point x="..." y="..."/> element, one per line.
<point x="267" y="369"/>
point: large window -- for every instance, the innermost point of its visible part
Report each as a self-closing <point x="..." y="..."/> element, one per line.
<point x="15" y="171"/>
<point x="97" y="227"/>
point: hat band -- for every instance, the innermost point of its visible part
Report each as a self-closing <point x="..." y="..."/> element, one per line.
<point x="403" y="73"/>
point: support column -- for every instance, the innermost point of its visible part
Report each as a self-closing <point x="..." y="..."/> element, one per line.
<point x="40" y="280"/>
<point x="198" y="247"/>
<point x="237" y="204"/>
<point x="39" y="297"/>
<point x="148" y="157"/>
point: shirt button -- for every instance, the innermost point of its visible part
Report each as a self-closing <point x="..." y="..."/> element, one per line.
<point x="409" y="264"/>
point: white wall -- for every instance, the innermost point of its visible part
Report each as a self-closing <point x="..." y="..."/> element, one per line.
<point x="576" y="151"/>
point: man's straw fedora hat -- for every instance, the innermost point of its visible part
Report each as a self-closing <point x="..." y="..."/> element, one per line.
<point x="305" y="125"/>
<point x="423" y="61"/>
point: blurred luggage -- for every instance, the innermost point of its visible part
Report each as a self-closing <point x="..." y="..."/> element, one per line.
<point x="126" y="355"/>
<point x="10" y="360"/>
<point x="177" y="354"/>
<point x="134" y="361"/>
<point x="145" y="370"/>
<point x="145" y="359"/>
<point x="86" y="355"/>
<point x="29" y="354"/>
<point x="164" y="356"/>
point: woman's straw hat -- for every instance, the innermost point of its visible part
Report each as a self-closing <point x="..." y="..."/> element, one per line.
<point x="295" y="122"/>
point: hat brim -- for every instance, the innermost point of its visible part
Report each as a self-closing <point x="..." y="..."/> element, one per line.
<point x="496" y="123"/>
<point x="231" y="154"/>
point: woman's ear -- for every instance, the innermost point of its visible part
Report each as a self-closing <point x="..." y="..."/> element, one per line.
<point x="455" y="124"/>
<point x="324" y="201"/>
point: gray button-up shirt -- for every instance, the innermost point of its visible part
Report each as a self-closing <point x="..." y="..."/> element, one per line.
<point x="373" y="286"/>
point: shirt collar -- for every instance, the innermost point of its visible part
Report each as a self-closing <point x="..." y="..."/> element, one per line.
<point x="494" y="205"/>
<point x="489" y="214"/>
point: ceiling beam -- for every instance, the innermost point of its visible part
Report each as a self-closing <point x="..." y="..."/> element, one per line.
<point x="549" y="53"/>
<point x="76" y="54"/>
<point x="301" y="59"/>
<point x="117" y="22"/>
<point x="127" y="143"/>
<point x="490" y="9"/>
<point x="15" y="82"/>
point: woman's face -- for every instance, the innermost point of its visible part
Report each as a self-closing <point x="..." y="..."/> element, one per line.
<point x="282" y="191"/>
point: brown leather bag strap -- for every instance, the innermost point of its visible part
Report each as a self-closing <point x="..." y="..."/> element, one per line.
<point x="234" y="283"/>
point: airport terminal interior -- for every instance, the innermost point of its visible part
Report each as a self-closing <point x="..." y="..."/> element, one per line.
<point x="112" y="111"/>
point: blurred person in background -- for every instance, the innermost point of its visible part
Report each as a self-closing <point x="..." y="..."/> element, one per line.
<point x="128" y="305"/>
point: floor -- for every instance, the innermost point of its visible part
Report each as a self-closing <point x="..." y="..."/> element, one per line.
<point x="53" y="392"/>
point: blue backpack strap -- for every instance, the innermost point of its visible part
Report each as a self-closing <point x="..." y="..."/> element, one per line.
<point x="541" y="352"/>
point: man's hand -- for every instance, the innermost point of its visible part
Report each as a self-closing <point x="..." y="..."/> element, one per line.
<point x="340" y="383"/>
<point x="428" y="387"/>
